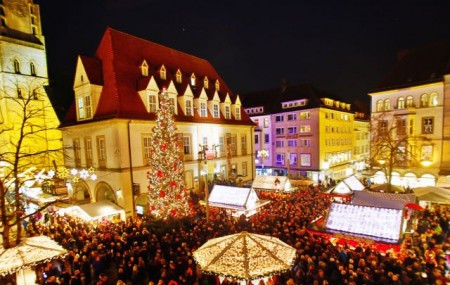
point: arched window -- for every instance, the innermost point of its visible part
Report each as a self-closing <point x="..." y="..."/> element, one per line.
<point x="379" y="105"/>
<point x="387" y="105"/>
<point x="424" y="100"/>
<point x="16" y="66"/>
<point x="409" y="102"/>
<point x="434" y="99"/>
<point x="193" y="79"/>
<point x="401" y="103"/>
<point x="32" y="69"/>
<point x="179" y="76"/>
<point x="162" y="72"/>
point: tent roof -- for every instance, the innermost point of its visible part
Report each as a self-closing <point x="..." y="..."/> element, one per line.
<point x="234" y="197"/>
<point x="97" y="210"/>
<point x="266" y="182"/>
<point x="382" y="200"/>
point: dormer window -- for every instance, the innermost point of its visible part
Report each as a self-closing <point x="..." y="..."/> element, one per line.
<point x="16" y="66"/>
<point x="144" y="68"/>
<point x="217" y="85"/>
<point x="84" y="107"/>
<point x="203" y="110"/>
<point x="193" y="79"/>
<point x="238" y="113"/>
<point x="152" y="103"/>
<point x="179" y="76"/>
<point x="206" y="83"/>
<point x="162" y="73"/>
<point x="216" y="110"/>
<point x="227" y="112"/>
<point x="32" y="69"/>
<point x="189" y="111"/>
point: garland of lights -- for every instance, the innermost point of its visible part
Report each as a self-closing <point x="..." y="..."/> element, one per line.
<point x="167" y="192"/>
<point x="245" y="256"/>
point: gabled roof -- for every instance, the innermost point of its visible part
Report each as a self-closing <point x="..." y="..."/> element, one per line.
<point x="233" y="197"/>
<point x="271" y="99"/>
<point x="382" y="200"/>
<point x="120" y="55"/>
<point x="426" y="64"/>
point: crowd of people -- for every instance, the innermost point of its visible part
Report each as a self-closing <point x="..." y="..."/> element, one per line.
<point x="143" y="251"/>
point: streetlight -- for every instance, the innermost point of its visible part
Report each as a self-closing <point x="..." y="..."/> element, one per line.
<point x="202" y="156"/>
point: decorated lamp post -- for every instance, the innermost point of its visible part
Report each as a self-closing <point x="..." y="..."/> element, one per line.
<point x="262" y="154"/>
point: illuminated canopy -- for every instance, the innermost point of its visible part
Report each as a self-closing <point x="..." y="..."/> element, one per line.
<point x="245" y="256"/>
<point x="31" y="251"/>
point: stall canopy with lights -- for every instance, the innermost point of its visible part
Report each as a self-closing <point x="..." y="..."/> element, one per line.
<point x="96" y="211"/>
<point x="245" y="256"/>
<point x="236" y="199"/>
<point x="273" y="183"/>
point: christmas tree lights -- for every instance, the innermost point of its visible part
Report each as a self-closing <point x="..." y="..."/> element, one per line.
<point x="168" y="197"/>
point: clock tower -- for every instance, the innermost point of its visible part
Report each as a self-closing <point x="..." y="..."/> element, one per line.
<point x="23" y="78"/>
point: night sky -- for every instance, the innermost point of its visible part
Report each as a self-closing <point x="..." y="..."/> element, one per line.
<point x="343" y="47"/>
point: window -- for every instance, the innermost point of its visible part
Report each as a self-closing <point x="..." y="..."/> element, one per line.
<point x="146" y="148"/>
<point x="216" y="110"/>
<point x="221" y="145"/>
<point x="409" y="102"/>
<point x="266" y="138"/>
<point x="292" y="130"/>
<point x="293" y="159"/>
<point x="256" y="139"/>
<point x="19" y="93"/>
<point x="178" y="76"/>
<point x="217" y="85"/>
<point x="162" y="73"/>
<point x="101" y="151"/>
<point x="427" y="153"/>
<point x="424" y="100"/>
<point x="152" y="103"/>
<point x="187" y="150"/>
<point x="382" y="127"/>
<point x="77" y="152"/>
<point x="233" y="145"/>
<point x="193" y="79"/>
<point x="206" y="83"/>
<point x="387" y="105"/>
<point x="203" y="111"/>
<point x="279" y="131"/>
<point x="305" y="129"/>
<point x="227" y="112"/>
<point x="172" y="105"/>
<point x="411" y="126"/>
<point x="379" y="105"/>
<point x="305" y="115"/>
<point x="88" y="106"/>
<point x="189" y="111"/>
<point x="427" y="125"/>
<point x="243" y="144"/>
<point x="434" y="100"/>
<point x="144" y="68"/>
<point x="401" y="103"/>
<point x="32" y="69"/>
<point x="401" y="126"/>
<point x="279" y="143"/>
<point x="305" y="159"/>
<point x="279" y="159"/>
<point x="292" y="117"/>
<point x="266" y="122"/>
<point x="16" y="66"/>
<point x="305" y="142"/>
<point x="238" y="113"/>
<point x="244" y="168"/>
<point x="292" y="142"/>
<point x="88" y="150"/>
<point x="279" y="118"/>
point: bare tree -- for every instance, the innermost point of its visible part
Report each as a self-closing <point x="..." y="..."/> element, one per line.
<point x="29" y="140"/>
<point x="393" y="145"/>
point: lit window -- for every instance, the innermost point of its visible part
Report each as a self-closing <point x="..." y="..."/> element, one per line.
<point x="305" y="115"/>
<point x="203" y="111"/>
<point x="305" y="142"/>
<point x="305" y="129"/>
<point x="227" y="112"/>
<point x="217" y="85"/>
<point x="146" y="148"/>
<point x="427" y="153"/>
<point x="379" y="105"/>
<point x="152" y="103"/>
<point x="293" y="159"/>
<point x="144" y="68"/>
<point x="88" y="106"/>
<point x="187" y="145"/>
<point x="387" y="105"/>
<point x="427" y="125"/>
<point x="101" y="151"/>
<point x="238" y="113"/>
<point x="162" y="72"/>
<point x="172" y="105"/>
<point x="401" y="103"/>
<point x="206" y="83"/>
<point x="305" y="159"/>
<point x="434" y="100"/>
<point x="244" y="168"/>
<point x="216" y="110"/>
<point x="409" y="102"/>
<point x="424" y="100"/>
<point x="193" y="79"/>
<point x="233" y="145"/>
<point x="401" y="127"/>
<point x="16" y="66"/>
<point x="189" y="111"/>
<point x="178" y="76"/>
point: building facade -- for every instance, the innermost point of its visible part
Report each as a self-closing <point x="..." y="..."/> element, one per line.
<point x="109" y="125"/>
<point x="304" y="132"/>
<point x="29" y="134"/>
<point x="412" y="103"/>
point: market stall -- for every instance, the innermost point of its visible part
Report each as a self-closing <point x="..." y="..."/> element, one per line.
<point x="273" y="183"/>
<point x="97" y="211"/>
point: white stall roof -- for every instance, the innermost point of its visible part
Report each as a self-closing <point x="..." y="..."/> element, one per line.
<point x="234" y="197"/>
<point x="272" y="183"/>
<point x="95" y="211"/>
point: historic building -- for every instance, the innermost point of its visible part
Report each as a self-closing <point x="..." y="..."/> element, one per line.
<point x="303" y="131"/>
<point x="28" y="122"/>
<point x="413" y="104"/>
<point x="110" y="122"/>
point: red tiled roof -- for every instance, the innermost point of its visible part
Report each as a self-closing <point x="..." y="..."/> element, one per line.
<point x="116" y="67"/>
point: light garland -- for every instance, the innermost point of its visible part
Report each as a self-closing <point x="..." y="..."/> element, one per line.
<point x="30" y="252"/>
<point x="245" y="256"/>
<point x="166" y="187"/>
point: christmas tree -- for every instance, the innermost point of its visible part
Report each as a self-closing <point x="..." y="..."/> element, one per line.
<point x="168" y="197"/>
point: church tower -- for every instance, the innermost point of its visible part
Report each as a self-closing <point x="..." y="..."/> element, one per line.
<point x="24" y="105"/>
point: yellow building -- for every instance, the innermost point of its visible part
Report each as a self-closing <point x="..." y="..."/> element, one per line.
<point x="28" y="122"/>
<point x="412" y="103"/>
<point x="109" y="125"/>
